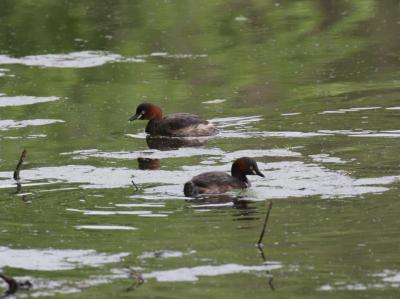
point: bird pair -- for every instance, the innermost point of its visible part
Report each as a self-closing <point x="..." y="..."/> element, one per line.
<point x="190" y="125"/>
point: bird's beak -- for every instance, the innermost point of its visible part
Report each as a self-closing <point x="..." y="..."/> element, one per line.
<point x="136" y="116"/>
<point x="257" y="172"/>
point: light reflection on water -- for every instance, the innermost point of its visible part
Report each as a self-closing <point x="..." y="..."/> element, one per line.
<point x="192" y="274"/>
<point x="163" y="254"/>
<point x="8" y="124"/>
<point x="24" y="100"/>
<point x="3" y="73"/>
<point x="85" y="59"/>
<point x="55" y="259"/>
<point x="47" y="288"/>
<point x="82" y="59"/>
<point x="283" y="179"/>
<point x="387" y="278"/>
<point x="105" y="227"/>
<point x="344" y="110"/>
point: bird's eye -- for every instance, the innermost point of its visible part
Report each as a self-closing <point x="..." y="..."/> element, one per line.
<point x="252" y="170"/>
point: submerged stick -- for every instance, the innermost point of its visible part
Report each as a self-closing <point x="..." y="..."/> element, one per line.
<point x="271" y="285"/>
<point x="19" y="165"/>
<point x="137" y="278"/>
<point x="268" y="272"/>
<point x="265" y="224"/>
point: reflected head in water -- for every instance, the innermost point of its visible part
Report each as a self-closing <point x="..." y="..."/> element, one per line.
<point x="148" y="163"/>
<point x="164" y="144"/>
<point x="223" y="201"/>
<point x="216" y="182"/>
<point x="174" y="125"/>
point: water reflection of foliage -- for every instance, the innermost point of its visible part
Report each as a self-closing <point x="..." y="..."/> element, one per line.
<point x="298" y="43"/>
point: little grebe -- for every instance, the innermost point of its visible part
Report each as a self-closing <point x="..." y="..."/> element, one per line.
<point x="174" y="125"/>
<point x="217" y="182"/>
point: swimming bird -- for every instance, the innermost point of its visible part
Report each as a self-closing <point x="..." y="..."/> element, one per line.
<point x="217" y="182"/>
<point x="174" y="125"/>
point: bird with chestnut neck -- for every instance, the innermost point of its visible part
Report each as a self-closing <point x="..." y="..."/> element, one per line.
<point x="217" y="182"/>
<point x="173" y="125"/>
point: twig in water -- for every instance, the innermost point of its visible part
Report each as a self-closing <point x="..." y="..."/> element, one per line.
<point x="262" y="253"/>
<point x="268" y="272"/>
<point x="271" y="284"/>
<point x="135" y="186"/>
<point x="14" y="286"/>
<point x="137" y="280"/>
<point x="19" y="165"/>
<point x="19" y="187"/>
<point x="265" y="225"/>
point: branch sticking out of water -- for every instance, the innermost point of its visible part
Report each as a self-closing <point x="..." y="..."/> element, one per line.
<point x="14" y="286"/>
<point x="271" y="285"/>
<point x="259" y="243"/>
<point x="135" y="186"/>
<point x="19" y="165"/>
<point x="137" y="280"/>
<point x="268" y="272"/>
